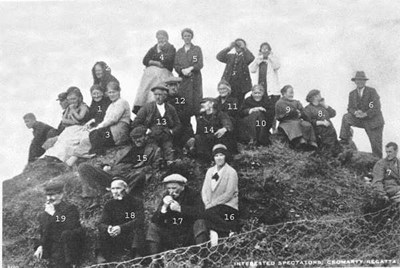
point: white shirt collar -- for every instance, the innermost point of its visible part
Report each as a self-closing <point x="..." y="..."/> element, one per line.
<point x="161" y="109"/>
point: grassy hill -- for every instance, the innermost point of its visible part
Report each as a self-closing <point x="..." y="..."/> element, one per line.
<point x="301" y="204"/>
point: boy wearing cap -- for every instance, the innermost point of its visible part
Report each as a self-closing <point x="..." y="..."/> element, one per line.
<point x="161" y="121"/>
<point x="134" y="162"/>
<point x="176" y="222"/>
<point x="121" y="224"/>
<point x="364" y="111"/>
<point x="41" y="132"/>
<point x="61" y="235"/>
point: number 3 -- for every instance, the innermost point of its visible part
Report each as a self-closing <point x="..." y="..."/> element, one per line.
<point x="287" y="109"/>
<point x="371" y="104"/>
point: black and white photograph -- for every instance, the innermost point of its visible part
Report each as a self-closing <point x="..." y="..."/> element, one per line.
<point x="200" y="134"/>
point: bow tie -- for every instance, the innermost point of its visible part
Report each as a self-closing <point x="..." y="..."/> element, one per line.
<point x="215" y="177"/>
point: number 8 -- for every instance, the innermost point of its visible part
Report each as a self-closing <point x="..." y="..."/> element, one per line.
<point x="287" y="109"/>
<point x="371" y="104"/>
<point x="320" y="113"/>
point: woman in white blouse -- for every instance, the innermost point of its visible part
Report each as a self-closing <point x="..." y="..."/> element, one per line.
<point x="220" y="196"/>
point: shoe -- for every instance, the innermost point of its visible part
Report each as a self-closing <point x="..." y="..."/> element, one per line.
<point x="100" y="259"/>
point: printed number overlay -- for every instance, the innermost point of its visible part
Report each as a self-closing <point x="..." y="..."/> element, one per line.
<point x="162" y="57"/>
<point x="208" y="130"/>
<point x="161" y="122"/>
<point x="230" y="217"/>
<point x="180" y="101"/>
<point x="107" y="134"/>
<point x="261" y="123"/>
<point x="232" y="106"/>
<point x="287" y="109"/>
<point x="320" y="113"/>
<point x="99" y="110"/>
<point x="371" y="104"/>
<point x="195" y="58"/>
<point x="177" y="221"/>
<point x="130" y="215"/>
<point x="142" y="158"/>
<point x="61" y="218"/>
<point x="389" y="172"/>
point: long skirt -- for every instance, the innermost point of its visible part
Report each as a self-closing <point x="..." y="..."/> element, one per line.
<point x="223" y="219"/>
<point x="67" y="142"/>
<point x="152" y="76"/>
<point x="256" y="127"/>
<point x="298" y="128"/>
<point x="191" y="89"/>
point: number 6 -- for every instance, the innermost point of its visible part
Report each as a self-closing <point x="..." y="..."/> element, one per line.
<point x="371" y="104"/>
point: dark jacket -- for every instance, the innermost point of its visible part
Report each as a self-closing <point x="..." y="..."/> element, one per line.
<point x="65" y="218"/>
<point x="103" y="82"/>
<point x="192" y="207"/>
<point x="241" y="69"/>
<point x="370" y="104"/>
<point x="250" y="103"/>
<point x="127" y="213"/>
<point x="230" y="106"/>
<point x="41" y="132"/>
<point x="286" y="109"/>
<point x="165" y="57"/>
<point x="149" y="117"/>
<point x="97" y="110"/>
<point x="208" y="124"/>
<point x="386" y="174"/>
<point x="318" y="113"/>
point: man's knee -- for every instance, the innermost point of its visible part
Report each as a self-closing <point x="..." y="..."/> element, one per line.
<point x="199" y="227"/>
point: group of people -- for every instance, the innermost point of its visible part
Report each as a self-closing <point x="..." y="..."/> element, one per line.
<point x="164" y="106"/>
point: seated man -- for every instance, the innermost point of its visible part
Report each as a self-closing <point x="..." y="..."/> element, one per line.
<point x="121" y="224"/>
<point x="63" y="101"/>
<point x="182" y="108"/>
<point x="161" y="121"/>
<point x="41" y="132"/>
<point x="61" y="235"/>
<point x="386" y="174"/>
<point x="133" y="163"/>
<point x="213" y="127"/>
<point x="176" y="222"/>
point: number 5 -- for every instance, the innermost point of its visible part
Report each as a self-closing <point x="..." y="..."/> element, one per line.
<point x="195" y="58"/>
<point x="371" y="104"/>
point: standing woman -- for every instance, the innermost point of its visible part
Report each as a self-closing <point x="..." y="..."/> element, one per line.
<point x="220" y="194"/>
<point x="289" y="112"/>
<point x="102" y="75"/>
<point x="159" y="62"/>
<point x="188" y="63"/>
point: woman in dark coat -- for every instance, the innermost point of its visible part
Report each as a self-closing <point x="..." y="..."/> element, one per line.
<point x="237" y="72"/>
<point x="257" y="113"/>
<point x="319" y="115"/>
<point x="289" y="112"/>
<point x="159" y="62"/>
<point x="188" y="63"/>
<point x="102" y="75"/>
<point x="98" y="107"/>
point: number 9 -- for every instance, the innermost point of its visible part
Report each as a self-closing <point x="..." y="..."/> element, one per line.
<point x="287" y="109"/>
<point x="371" y="104"/>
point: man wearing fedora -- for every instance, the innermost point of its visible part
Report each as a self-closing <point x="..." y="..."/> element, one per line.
<point x="161" y="121"/>
<point x="176" y="222"/>
<point x="364" y="111"/>
<point x="61" y="234"/>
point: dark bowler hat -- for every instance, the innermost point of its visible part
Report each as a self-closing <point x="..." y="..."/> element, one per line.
<point x="138" y="132"/>
<point x="62" y="96"/>
<point x="54" y="188"/>
<point x="172" y="80"/>
<point x="360" y="75"/>
<point x="162" y="87"/>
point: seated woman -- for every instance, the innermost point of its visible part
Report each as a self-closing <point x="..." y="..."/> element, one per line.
<point x="289" y="113"/>
<point x="113" y="130"/>
<point x="102" y="75"/>
<point x="159" y="62"/>
<point x="98" y="107"/>
<point x="319" y="115"/>
<point x="73" y="118"/>
<point x="257" y="117"/>
<point x="220" y="195"/>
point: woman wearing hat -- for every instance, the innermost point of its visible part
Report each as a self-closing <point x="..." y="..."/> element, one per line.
<point x="319" y="114"/>
<point x="289" y="112"/>
<point x="257" y="114"/>
<point x="188" y="63"/>
<point x="220" y="195"/>
<point x="101" y="73"/>
<point x="159" y="62"/>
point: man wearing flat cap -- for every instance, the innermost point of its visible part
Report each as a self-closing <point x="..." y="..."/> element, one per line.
<point x="213" y="127"/>
<point x="62" y="99"/>
<point x="364" y="111"/>
<point x="182" y="108"/>
<point x="135" y="163"/>
<point x="176" y="222"/>
<point x="161" y="121"/>
<point x="121" y="224"/>
<point x="61" y="235"/>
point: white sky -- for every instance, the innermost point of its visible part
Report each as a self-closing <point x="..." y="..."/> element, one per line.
<point x="45" y="47"/>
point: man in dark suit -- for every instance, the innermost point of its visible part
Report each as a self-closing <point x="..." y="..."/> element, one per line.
<point x="61" y="234"/>
<point x="161" y="121"/>
<point x="237" y="72"/>
<point x="364" y="111"/>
